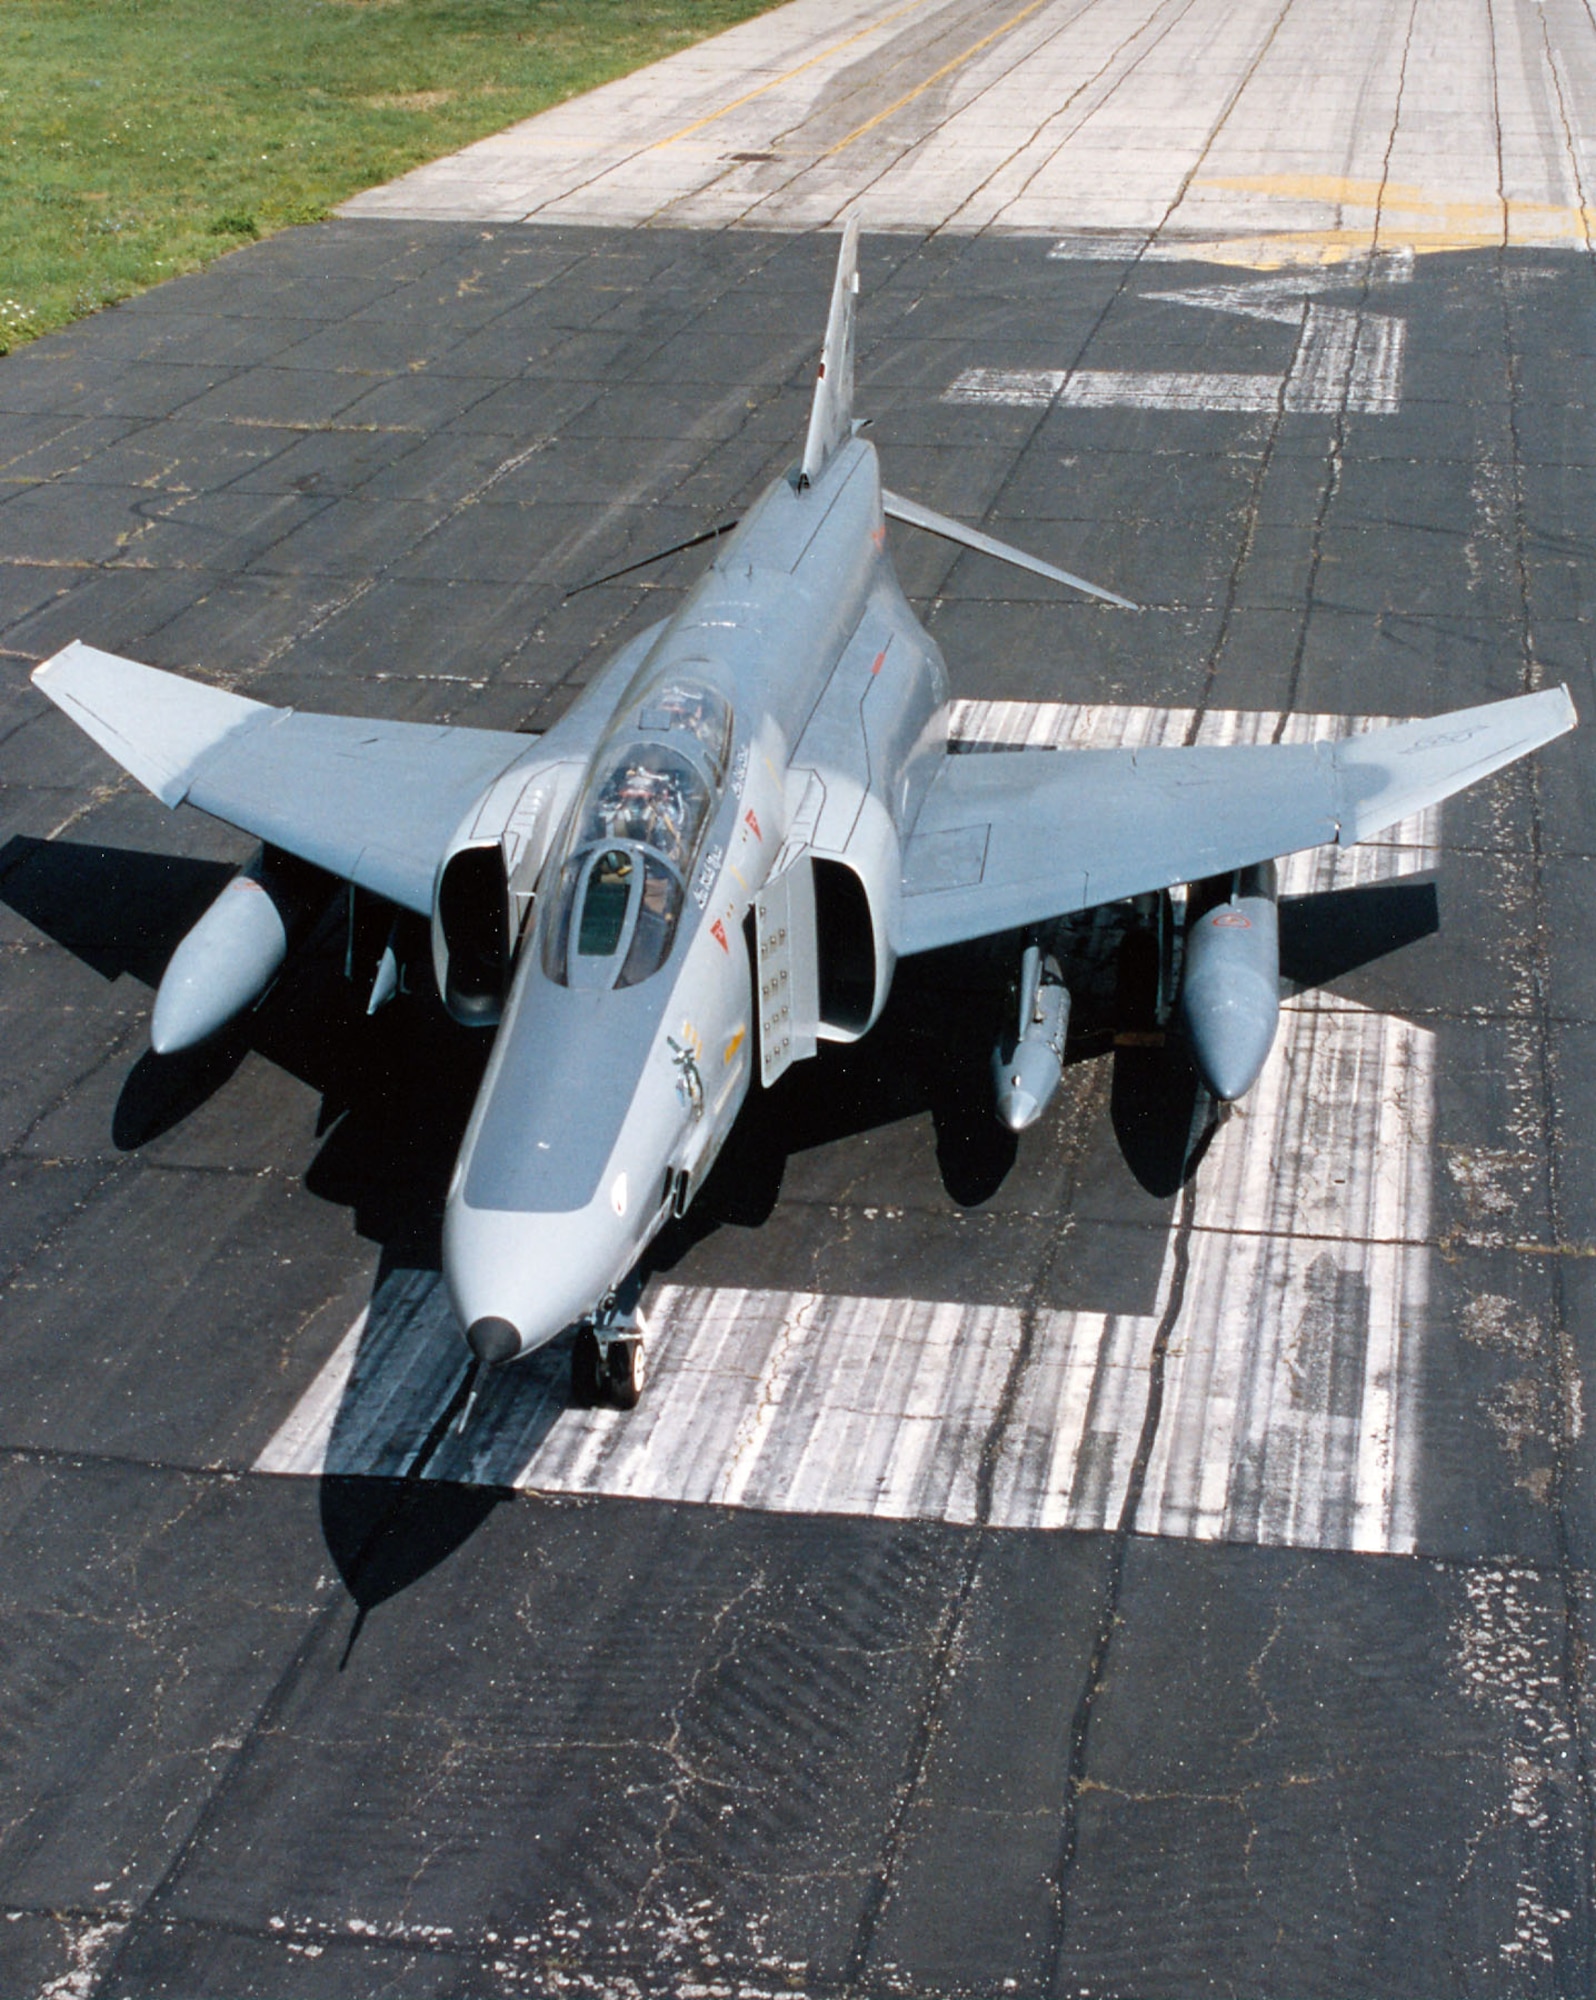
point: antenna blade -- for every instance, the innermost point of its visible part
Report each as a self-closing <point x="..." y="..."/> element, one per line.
<point x="916" y="516"/>
<point x="659" y="555"/>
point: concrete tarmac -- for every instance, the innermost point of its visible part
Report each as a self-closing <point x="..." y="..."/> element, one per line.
<point x="1270" y="131"/>
<point x="1152" y="1560"/>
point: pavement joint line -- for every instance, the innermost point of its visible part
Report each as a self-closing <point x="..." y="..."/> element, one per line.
<point x="1059" y="112"/>
<point x="48" y="1457"/>
<point x="1335" y="458"/>
<point x="110" y="1052"/>
<point x="1121" y="290"/>
<point x="522" y="455"/>
<point x="936" y="76"/>
<point x="1575" y="1636"/>
<point x="1031" y="1312"/>
<point x="860" y="200"/>
<point x="1582" y="208"/>
<point x="53" y="1236"/>
<point x="1079" y="1734"/>
<point x="319" y="1618"/>
<point x="774" y="83"/>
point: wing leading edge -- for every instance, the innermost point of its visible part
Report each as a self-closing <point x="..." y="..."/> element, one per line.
<point x="1014" y="838"/>
<point x="373" y="802"/>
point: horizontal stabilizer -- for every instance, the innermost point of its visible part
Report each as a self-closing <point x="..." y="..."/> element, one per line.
<point x="373" y="802"/>
<point x="1006" y="841"/>
<point x="916" y="516"/>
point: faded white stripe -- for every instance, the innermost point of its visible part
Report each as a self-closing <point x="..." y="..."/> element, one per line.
<point x="1344" y="360"/>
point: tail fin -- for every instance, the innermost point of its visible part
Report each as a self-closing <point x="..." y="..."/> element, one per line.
<point x="831" y="417"/>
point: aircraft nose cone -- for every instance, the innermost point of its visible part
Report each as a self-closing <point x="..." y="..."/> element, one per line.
<point x="493" y="1340"/>
<point x="516" y="1279"/>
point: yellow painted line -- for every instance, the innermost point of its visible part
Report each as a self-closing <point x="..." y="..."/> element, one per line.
<point x="936" y="76"/>
<point x="1309" y="249"/>
<point x="787" y="76"/>
<point x="1455" y="224"/>
<point x="1405" y="196"/>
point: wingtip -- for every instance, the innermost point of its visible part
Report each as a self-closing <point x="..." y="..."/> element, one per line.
<point x="46" y="667"/>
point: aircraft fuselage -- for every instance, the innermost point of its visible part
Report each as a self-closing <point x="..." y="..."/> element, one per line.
<point x="608" y="1096"/>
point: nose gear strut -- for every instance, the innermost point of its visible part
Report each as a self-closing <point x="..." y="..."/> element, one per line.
<point x="607" y="1356"/>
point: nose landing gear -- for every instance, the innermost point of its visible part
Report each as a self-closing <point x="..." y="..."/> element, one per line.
<point x="607" y="1360"/>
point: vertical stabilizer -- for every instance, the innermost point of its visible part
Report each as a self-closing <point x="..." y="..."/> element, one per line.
<point x="831" y="418"/>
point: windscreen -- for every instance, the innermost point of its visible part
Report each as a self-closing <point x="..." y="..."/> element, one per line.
<point x="696" y="711"/>
<point x="650" y="795"/>
<point x="636" y="834"/>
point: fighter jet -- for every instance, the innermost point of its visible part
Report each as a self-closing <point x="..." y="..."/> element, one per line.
<point x="714" y="861"/>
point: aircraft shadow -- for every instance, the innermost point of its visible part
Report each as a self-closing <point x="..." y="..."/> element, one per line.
<point x="1329" y="936"/>
<point x="396" y="1092"/>
<point x="117" y="909"/>
<point x="384" y="1535"/>
<point x="424" y="1446"/>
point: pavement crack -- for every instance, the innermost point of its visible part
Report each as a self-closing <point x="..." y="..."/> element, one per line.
<point x="1535" y="1931"/>
<point x="1076" y="1779"/>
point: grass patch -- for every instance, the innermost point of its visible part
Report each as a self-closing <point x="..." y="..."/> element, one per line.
<point x="140" y="138"/>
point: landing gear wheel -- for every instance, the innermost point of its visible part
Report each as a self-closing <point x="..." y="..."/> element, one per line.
<point x="625" y="1370"/>
<point x="586" y="1368"/>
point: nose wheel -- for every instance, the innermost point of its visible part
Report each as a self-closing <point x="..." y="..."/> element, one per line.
<point x="624" y="1370"/>
<point x="607" y="1364"/>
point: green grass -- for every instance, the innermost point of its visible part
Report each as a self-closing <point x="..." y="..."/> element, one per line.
<point x="139" y="138"/>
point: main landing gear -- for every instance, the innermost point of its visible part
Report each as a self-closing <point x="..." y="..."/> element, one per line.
<point x="607" y="1364"/>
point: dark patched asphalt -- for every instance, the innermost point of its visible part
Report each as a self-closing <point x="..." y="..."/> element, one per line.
<point x="284" y="1737"/>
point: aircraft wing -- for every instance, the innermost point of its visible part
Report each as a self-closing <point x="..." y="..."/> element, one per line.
<point x="373" y="802"/>
<point x="1006" y="839"/>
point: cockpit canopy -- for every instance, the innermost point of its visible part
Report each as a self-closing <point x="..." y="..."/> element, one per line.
<point x="636" y="834"/>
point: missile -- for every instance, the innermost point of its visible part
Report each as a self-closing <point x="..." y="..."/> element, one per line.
<point x="1026" y="1070"/>
<point x="1230" y="987"/>
<point x="230" y="956"/>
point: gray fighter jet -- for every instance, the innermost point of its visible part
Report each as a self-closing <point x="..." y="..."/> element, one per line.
<point x="714" y="861"/>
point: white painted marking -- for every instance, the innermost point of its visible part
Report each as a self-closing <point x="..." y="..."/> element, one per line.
<point x="1164" y="389"/>
<point x="300" y="1444"/>
<point x="1289" y="1412"/>
<point x="1344" y="360"/>
<point x="1281" y="296"/>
